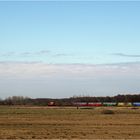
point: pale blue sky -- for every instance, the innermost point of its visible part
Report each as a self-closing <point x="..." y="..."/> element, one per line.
<point x="81" y="32"/>
<point x="67" y="40"/>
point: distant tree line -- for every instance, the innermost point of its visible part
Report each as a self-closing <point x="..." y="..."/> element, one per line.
<point x="20" y="100"/>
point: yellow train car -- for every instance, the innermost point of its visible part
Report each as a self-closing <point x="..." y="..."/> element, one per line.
<point x="121" y="104"/>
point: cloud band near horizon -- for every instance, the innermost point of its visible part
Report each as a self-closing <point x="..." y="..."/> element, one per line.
<point x="34" y="69"/>
<point x="37" y="79"/>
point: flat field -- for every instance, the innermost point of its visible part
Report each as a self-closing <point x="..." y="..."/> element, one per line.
<point x="69" y="123"/>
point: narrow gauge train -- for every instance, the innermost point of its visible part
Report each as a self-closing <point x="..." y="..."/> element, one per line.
<point x="98" y="104"/>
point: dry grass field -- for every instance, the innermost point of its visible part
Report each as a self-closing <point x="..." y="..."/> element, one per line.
<point x="68" y="123"/>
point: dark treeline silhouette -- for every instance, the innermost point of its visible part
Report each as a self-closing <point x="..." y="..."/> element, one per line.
<point x="20" y="100"/>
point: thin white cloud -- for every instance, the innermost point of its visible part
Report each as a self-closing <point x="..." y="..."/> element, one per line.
<point x="60" y="54"/>
<point x="127" y="55"/>
<point x="43" y="52"/>
<point x="32" y="54"/>
<point x="8" y="54"/>
<point x="25" y="54"/>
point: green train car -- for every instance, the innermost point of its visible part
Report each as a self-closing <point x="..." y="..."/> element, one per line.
<point x="109" y="104"/>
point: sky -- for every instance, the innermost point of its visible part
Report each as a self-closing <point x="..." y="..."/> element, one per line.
<point x="55" y="49"/>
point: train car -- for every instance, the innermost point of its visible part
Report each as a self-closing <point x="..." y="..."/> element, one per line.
<point x="90" y="104"/>
<point x="122" y="104"/>
<point x="129" y="104"/>
<point x="136" y="104"/>
<point x="80" y="104"/>
<point x="96" y="104"/>
<point x="109" y="104"/>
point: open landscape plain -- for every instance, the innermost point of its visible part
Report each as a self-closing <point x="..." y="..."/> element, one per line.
<point x="69" y="122"/>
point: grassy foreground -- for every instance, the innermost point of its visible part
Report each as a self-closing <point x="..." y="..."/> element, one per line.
<point x="56" y="123"/>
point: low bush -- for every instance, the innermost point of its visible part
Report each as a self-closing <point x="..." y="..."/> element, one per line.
<point x="134" y="108"/>
<point x="86" y="108"/>
<point x="107" y="111"/>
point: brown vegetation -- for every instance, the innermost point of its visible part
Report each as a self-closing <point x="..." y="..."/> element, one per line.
<point x="47" y="122"/>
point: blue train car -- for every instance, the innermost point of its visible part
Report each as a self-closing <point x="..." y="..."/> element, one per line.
<point x="136" y="104"/>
